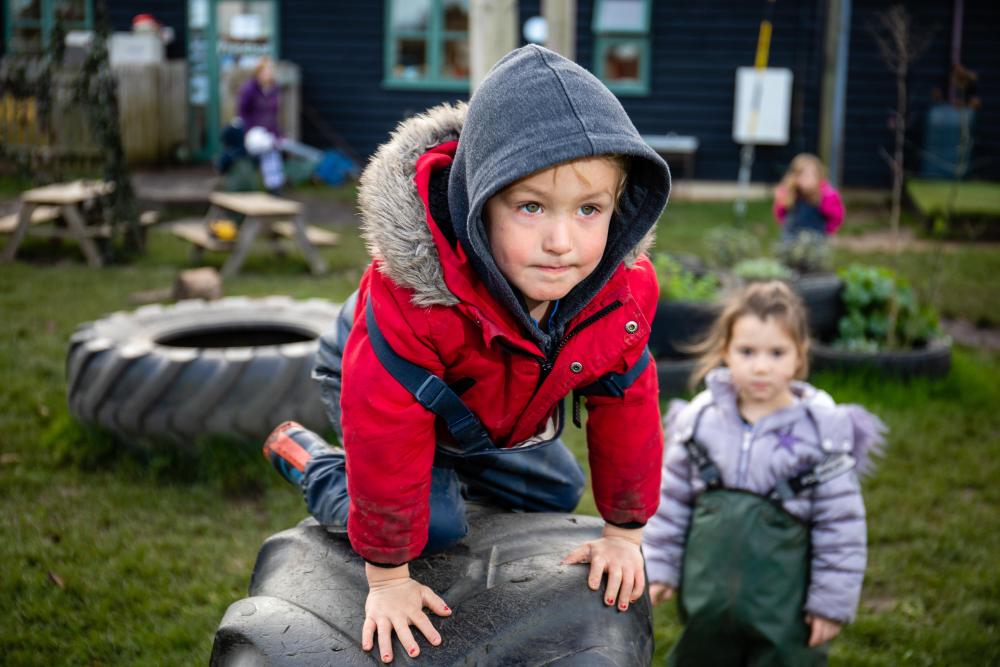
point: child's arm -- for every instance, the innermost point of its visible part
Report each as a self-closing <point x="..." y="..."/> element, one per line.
<point x="780" y="207"/>
<point x="839" y="550"/>
<point x="831" y="207"/>
<point x="666" y="532"/>
<point x="395" y="602"/>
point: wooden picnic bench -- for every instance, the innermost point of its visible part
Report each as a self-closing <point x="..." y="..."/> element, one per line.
<point x="59" y="203"/>
<point x="256" y="213"/>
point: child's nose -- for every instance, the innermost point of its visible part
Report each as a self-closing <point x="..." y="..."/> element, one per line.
<point x="558" y="239"/>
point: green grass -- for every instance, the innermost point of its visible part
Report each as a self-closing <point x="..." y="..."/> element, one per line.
<point x="113" y="556"/>
<point x="974" y="198"/>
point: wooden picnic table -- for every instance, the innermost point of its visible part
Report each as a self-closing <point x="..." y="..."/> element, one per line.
<point x="259" y="212"/>
<point x="66" y="198"/>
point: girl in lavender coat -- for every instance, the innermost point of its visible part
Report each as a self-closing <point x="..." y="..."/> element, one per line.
<point x="761" y="425"/>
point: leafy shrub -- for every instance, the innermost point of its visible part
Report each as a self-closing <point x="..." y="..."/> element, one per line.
<point x="680" y="284"/>
<point x="762" y="268"/>
<point x="807" y="252"/>
<point x="730" y="245"/>
<point x="881" y="312"/>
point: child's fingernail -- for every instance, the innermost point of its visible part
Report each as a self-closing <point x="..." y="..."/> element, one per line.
<point x="447" y="608"/>
<point x="413" y="651"/>
<point x="611" y="600"/>
<point x="386" y="658"/>
<point x="623" y="606"/>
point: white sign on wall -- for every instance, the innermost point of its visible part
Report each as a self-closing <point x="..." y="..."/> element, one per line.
<point x="768" y="92"/>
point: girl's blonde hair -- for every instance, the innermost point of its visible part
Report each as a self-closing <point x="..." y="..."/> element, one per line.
<point x="763" y="300"/>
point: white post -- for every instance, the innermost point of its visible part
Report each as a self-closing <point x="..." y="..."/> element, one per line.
<point x="492" y="34"/>
<point x="560" y="18"/>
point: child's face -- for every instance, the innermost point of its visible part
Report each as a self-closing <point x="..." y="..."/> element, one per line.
<point x="763" y="359"/>
<point x="807" y="179"/>
<point x="548" y="231"/>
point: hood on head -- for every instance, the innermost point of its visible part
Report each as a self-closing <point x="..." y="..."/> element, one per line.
<point x="536" y="109"/>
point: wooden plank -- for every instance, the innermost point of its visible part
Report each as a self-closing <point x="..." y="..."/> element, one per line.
<point x="258" y="204"/>
<point x="197" y="234"/>
<point x="60" y="194"/>
<point x="40" y="215"/>
<point x="316" y="235"/>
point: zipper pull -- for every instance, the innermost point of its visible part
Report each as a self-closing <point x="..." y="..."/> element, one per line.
<point x="577" y="421"/>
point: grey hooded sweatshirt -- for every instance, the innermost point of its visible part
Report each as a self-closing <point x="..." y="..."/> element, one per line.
<point x="536" y="109"/>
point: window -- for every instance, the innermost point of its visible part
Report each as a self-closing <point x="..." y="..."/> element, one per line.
<point x="621" y="45"/>
<point x="30" y="23"/>
<point x="427" y="44"/>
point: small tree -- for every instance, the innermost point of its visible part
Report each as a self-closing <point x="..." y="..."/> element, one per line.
<point x="900" y="45"/>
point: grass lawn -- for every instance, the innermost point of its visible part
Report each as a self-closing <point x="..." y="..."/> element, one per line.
<point x="113" y="556"/>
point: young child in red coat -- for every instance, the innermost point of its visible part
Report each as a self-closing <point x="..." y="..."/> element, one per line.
<point x="508" y="273"/>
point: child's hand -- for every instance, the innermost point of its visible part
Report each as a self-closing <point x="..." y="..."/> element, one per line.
<point x="660" y="592"/>
<point x="617" y="552"/>
<point x="821" y="630"/>
<point x="395" y="602"/>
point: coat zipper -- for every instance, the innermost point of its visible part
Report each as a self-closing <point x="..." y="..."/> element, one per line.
<point x="548" y="363"/>
<point x="744" y="456"/>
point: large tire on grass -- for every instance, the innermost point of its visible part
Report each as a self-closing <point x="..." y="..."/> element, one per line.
<point x="678" y="324"/>
<point x="235" y="368"/>
<point x="821" y="295"/>
<point x="932" y="360"/>
<point x="674" y="375"/>
<point x="512" y="601"/>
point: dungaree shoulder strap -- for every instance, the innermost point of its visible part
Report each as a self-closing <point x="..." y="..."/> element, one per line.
<point x="707" y="470"/>
<point x="611" y="384"/>
<point x="428" y="389"/>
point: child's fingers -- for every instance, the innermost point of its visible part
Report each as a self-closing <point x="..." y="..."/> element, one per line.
<point x="579" y="555"/>
<point x="385" y="639"/>
<point x="614" y="584"/>
<point x="425" y="626"/>
<point x="402" y="628"/>
<point x="638" y="585"/>
<point x="625" y="592"/>
<point x="433" y="601"/>
<point x="597" y="567"/>
<point x="368" y="634"/>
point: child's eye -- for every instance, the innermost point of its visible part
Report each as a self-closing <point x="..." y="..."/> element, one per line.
<point x="587" y="210"/>
<point x="746" y="351"/>
<point x="777" y="353"/>
<point x="530" y="207"/>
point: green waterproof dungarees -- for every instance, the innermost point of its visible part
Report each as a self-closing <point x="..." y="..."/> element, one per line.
<point x="745" y="573"/>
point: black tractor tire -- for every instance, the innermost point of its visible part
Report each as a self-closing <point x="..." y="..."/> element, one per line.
<point x="512" y="602"/>
<point x="236" y="367"/>
<point x="821" y="295"/>
<point x="674" y="375"/>
<point x="930" y="361"/>
<point x="678" y="324"/>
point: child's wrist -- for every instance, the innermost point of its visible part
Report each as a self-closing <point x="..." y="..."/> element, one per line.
<point x="633" y="535"/>
<point x="380" y="575"/>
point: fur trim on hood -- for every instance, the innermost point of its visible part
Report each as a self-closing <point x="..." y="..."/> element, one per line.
<point x="393" y="221"/>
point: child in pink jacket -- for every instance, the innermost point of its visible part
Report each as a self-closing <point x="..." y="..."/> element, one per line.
<point x="805" y="201"/>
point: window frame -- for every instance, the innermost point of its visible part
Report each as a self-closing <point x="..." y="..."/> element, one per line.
<point x="45" y="23"/>
<point x="606" y="39"/>
<point x="435" y="35"/>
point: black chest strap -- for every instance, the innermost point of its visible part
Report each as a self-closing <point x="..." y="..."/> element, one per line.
<point x="428" y="389"/>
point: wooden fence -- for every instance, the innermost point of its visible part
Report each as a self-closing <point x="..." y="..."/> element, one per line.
<point x="152" y="105"/>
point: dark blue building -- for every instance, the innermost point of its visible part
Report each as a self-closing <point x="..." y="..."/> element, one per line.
<point x="367" y="65"/>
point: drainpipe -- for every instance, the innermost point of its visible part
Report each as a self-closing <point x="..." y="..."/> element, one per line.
<point x="834" y="96"/>
<point x="956" y="48"/>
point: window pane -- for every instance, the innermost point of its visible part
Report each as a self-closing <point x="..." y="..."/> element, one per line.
<point x="26" y="9"/>
<point x="621" y="62"/>
<point x="410" y="15"/>
<point x="621" y="16"/>
<point x="71" y="10"/>
<point x="456" y="59"/>
<point x="26" y="40"/>
<point x="456" y="15"/>
<point x="411" y="59"/>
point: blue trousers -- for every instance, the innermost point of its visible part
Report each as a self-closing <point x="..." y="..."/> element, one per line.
<point x="540" y="478"/>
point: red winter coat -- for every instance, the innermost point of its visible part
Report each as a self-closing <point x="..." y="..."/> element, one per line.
<point x="390" y="438"/>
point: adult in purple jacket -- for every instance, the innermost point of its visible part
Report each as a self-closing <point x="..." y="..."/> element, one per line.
<point x="755" y="427"/>
<point x="258" y="101"/>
